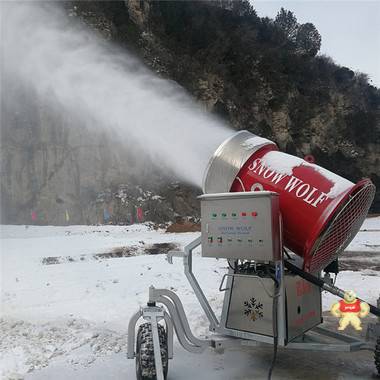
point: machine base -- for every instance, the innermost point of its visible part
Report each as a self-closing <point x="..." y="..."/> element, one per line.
<point x="316" y="339"/>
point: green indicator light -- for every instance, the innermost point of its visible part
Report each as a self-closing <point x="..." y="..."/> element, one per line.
<point x="214" y="215"/>
<point x="233" y="214"/>
<point x="224" y="214"/>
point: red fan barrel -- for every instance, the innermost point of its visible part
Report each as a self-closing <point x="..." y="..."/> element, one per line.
<point x="321" y="211"/>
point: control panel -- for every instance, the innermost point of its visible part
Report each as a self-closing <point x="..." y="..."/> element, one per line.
<point x="241" y="226"/>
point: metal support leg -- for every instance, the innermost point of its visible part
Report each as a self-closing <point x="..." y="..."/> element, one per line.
<point x="177" y="314"/>
<point x="175" y="318"/>
<point x="188" y="269"/>
<point x="131" y="353"/>
<point x="170" y="331"/>
<point x="157" y="349"/>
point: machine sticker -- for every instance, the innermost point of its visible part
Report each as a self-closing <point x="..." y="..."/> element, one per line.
<point x="303" y="287"/>
<point x="253" y="309"/>
<point x="235" y="230"/>
<point x="290" y="183"/>
<point x="350" y="310"/>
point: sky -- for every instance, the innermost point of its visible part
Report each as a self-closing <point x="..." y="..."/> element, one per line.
<point x="350" y="29"/>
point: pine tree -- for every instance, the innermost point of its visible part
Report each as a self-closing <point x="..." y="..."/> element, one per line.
<point x="287" y="21"/>
<point x="308" y="40"/>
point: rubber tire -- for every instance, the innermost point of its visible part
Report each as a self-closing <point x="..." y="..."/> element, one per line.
<point x="145" y="366"/>
<point x="377" y="356"/>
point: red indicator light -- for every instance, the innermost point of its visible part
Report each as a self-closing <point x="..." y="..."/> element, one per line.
<point x="254" y="213"/>
<point x="243" y="214"/>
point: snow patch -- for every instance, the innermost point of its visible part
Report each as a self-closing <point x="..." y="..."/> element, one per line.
<point x="285" y="163"/>
<point x="255" y="142"/>
<point x="77" y="313"/>
<point x="25" y="347"/>
<point x="282" y="163"/>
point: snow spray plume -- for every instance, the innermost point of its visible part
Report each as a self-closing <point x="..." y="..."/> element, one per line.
<point x="91" y="79"/>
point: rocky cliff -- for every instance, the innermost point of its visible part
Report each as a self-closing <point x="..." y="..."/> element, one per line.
<point x="232" y="61"/>
<point x="56" y="170"/>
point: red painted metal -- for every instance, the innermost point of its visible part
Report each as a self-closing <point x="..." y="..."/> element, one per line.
<point x="307" y="207"/>
<point x="309" y="158"/>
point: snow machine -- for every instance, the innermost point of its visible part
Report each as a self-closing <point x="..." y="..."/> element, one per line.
<point x="280" y="222"/>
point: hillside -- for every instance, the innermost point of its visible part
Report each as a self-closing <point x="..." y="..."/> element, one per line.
<point x="243" y="68"/>
<point x="251" y="71"/>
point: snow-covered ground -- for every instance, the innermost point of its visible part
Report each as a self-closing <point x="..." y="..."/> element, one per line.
<point x="65" y="306"/>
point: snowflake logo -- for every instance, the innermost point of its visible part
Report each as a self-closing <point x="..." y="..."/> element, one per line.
<point x="253" y="309"/>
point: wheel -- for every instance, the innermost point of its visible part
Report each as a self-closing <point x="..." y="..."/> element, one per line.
<point x="145" y="366"/>
<point x="377" y="356"/>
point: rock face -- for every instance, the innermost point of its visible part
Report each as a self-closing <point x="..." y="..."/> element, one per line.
<point x="56" y="172"/>
<point x="52" y="168"/>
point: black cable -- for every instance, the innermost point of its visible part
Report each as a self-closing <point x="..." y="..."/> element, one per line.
<point x="319" y="282"/>
<point x="275" y="346"/>
<point x="305" y="275"/>
<point x="275" y="325"/>
<point x="271" y="275"/>
<point x="265" y="271"/>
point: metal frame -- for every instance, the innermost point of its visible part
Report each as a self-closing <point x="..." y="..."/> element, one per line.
<point x="187" y="255"/>
<point x="175" y="319"/>
<point x="281" y="317"/>
<point x="312" y="342"/>
<point x="215" y="325"/>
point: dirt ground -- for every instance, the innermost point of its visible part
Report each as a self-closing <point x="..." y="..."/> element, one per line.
<point x="184" y="227"/>
<point x="358" y="260"/>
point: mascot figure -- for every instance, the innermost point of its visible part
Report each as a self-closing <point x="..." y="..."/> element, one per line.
<point x="350" y="310"/>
